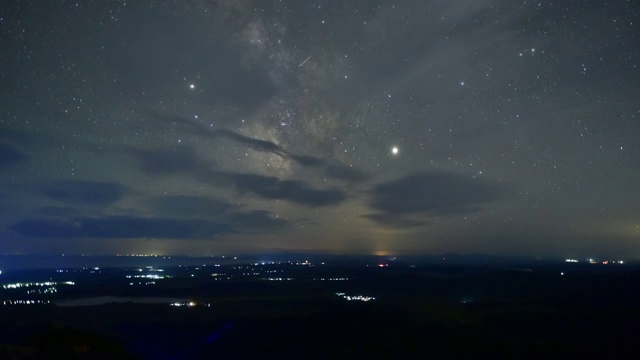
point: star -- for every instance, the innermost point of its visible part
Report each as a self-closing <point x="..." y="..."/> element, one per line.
<point x="192" y="86"/>
<point x="395" y="150"/>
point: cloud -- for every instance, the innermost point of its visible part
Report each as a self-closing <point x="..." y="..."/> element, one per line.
<point x="270" y="187"/>
<point x="256" y="221"/>
<point x="175" y="217"/>
<point x="255" y="144"/>
<point x="65" y="212"/>
<point x="307" y="160"/>
<point x="396" y="221"/>
<point x="253" y="221"/>
<point x="400" y="201"/>
<point x="14" y="136"/>
<point x="86" y="193"/>
<point x="188" y="206"/>
<point x="10" y="157"/>
<point x="121" y="227"/>
<point x="181" y="159"/>
<point x="335" y="169"/>
<point x="341" y="171"/>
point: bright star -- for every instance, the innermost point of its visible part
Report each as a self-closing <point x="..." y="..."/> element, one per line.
<point x="192" y="86"/>
<point x="394" y="150"/>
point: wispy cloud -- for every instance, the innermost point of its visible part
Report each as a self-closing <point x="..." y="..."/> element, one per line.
<point x="410" y="200"/>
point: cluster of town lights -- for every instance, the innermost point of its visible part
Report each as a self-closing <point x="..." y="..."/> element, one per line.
<point x="25" y="302"/>
<point x="187" y="304"/>
<point x="35" y="284"/>
<point x="594" y="261"/>
<point x="356" y="297"/>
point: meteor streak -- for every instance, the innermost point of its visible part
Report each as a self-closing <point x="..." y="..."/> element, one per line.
<point x="305" y="60"/>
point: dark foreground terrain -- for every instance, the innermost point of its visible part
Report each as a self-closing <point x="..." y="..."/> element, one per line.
<point x="299" y="309"/>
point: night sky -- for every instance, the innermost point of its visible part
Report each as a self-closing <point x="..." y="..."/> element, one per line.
<point x="360" y="127"/>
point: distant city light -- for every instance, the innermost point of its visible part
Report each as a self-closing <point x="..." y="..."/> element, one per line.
<point x="279" y="279"/>
<point x="332" y="279"/>
<point x="571" y="260"/>
<point x="149" y="276"/>
<point x="25" y="302"/>
<point x="186" y="304"/>
<point x="356" y="297"/>
<point x="605" y="262"/>
<point x="35" y="284"/>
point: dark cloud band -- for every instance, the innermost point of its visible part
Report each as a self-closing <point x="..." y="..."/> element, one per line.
<point x="398" y="202"/>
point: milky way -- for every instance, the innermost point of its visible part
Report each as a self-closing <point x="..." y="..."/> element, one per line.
<point x="386" y="127"/>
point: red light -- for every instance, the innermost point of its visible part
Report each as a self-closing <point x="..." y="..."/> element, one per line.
<point x="381" y="265"/>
